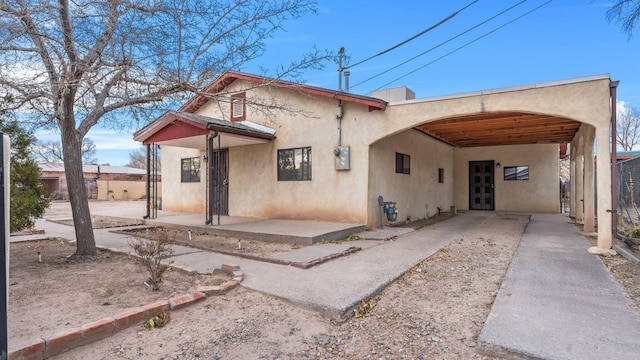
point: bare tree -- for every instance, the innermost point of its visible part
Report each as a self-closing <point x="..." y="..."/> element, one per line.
<point x="72" y="64"/>
<point x="138" y="159"/>
<point x="628" y="128"/>
<point x="626" y="13"/>
<point x="51" y="151"/>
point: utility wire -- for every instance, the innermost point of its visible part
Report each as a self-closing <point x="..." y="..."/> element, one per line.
<point x="437" y="46"/>
<point x="465" y="45"/>
<point x="413" y="37"/>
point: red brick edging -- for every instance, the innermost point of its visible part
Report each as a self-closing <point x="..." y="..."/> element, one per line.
<point x="47" y="346"/>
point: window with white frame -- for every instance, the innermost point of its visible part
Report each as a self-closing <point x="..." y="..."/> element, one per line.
<point x="238" y="107"/>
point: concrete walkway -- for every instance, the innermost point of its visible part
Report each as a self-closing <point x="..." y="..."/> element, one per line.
<point x="557" y="301"/>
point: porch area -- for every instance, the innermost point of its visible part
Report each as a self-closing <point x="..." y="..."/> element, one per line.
<point x="275" y="230"/>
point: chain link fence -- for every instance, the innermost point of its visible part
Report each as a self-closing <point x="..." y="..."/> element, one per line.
<point x="629" y="194"/>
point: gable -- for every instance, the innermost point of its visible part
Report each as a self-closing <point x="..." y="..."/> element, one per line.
<point x="177" y="130"/>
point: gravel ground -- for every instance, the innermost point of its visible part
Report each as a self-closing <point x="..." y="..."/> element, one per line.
<point x="435" y="311"/>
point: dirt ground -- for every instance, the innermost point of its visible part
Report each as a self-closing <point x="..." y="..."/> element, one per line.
<point x="53" y="294"/>
<point x="435" y="311"/>
<point x="214" y="243"/>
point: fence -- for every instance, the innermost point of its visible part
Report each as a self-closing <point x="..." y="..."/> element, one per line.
<point x="629" y="193"/>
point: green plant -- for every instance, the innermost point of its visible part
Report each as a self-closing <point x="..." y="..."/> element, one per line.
<point x="152" y="253"/>
<point x="635" y="233"/>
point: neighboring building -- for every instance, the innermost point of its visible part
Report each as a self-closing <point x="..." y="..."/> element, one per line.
<point x="319" y="154"/>
<point x="626" y="155"/>
<point x="102" y="181"/>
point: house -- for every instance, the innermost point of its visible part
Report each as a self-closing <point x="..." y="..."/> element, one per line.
<point x="260" y="147"/>
<point x="103" y="182"/>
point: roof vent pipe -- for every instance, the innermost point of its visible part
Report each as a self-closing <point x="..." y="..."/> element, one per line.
<point x="346" y="80"/>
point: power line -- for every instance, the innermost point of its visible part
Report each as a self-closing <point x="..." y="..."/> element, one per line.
<point x="465" y="45"/>
<point x="442" y="43"/>
<point x="413" y="37"/>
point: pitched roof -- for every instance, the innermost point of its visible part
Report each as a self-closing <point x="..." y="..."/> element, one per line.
<point x="230" y="76"/>
<point x="200" y="124"/>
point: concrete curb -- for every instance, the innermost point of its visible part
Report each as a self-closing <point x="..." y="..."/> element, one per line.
<point x="625" y="251"/>
<point x="47" y="346"/>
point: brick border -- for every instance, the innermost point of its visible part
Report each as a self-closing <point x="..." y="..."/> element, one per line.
<point x="47" y="346"/>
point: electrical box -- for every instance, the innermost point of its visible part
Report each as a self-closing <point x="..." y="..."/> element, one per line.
<point x="342" y="158"/>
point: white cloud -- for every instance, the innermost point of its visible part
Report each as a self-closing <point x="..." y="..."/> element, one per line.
<point x="112" y="140"/>
<point x="621" y="107"/>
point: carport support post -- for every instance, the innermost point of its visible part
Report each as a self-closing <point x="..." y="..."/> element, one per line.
<point x="603" y="164"/>
<point x="572" y="179"/>
<point x="589" y="221"/>
<point x="580" y="182"/>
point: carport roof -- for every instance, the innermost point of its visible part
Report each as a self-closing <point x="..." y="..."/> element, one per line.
<point x="502" y="128"/>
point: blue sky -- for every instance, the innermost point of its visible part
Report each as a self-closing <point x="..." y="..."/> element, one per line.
<point x="560" y="40"/>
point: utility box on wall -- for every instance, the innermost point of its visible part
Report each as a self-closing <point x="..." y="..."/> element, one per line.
<point x="342" y="158"/>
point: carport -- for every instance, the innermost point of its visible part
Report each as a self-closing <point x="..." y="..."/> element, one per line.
<point x="576" y="111"/>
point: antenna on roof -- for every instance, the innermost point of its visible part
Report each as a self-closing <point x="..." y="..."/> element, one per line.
<point x="340" y="69"/>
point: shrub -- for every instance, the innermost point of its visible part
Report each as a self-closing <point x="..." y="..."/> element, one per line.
<point x="152" y="253"/>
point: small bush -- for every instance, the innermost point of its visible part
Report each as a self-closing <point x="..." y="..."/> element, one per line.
<point x="58" y="195"/>
<point x="152" y="253"/>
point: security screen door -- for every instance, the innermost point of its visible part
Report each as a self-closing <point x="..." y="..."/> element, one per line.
<point x="481" y="185"/>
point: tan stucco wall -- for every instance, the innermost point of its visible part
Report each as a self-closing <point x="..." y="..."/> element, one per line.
<point x="417" y="194"/>
<point x="586" y="101"/>
<point x="253" y="187"/>
<point x="178" y="196"/>
<point x="538" y="194"/>
<point x="122" y="190"/>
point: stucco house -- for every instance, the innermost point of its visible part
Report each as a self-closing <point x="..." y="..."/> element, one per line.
<point x="260" y="147"/>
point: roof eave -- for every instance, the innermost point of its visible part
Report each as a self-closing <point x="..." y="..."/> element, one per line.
<point x="230" y="76"/>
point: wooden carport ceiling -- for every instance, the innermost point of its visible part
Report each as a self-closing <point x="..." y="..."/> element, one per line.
<point x="505" y="128"/>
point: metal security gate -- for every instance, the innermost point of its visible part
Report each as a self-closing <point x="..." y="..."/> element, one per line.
<point x="220" y="177"/>
<point x="481" y="185"/>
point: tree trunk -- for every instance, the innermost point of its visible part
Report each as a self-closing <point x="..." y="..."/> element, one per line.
<point x="71" y="144"/>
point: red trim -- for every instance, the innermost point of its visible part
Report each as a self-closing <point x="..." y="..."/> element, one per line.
<point x="235" y="97"/>
<point x="230" y="76"/>
<point x="176" y="130"/>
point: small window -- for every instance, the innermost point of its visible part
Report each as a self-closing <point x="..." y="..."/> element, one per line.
<point x="516" y="172"/>
<point x="441" y="175"/>
<point x="403" y="164"/>
<point x="238" y="107"/>
<point x="190" y="170"/>
<point x="294" y="164"/>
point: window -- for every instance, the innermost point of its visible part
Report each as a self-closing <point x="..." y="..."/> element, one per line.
<point x="294" y="164"/>
<point x="403" y="164"/>
<point x="238" y="107"/>
<point x="441" y="175"/>
<point x="190" y="170"/>
<point x="516" y="172"/>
